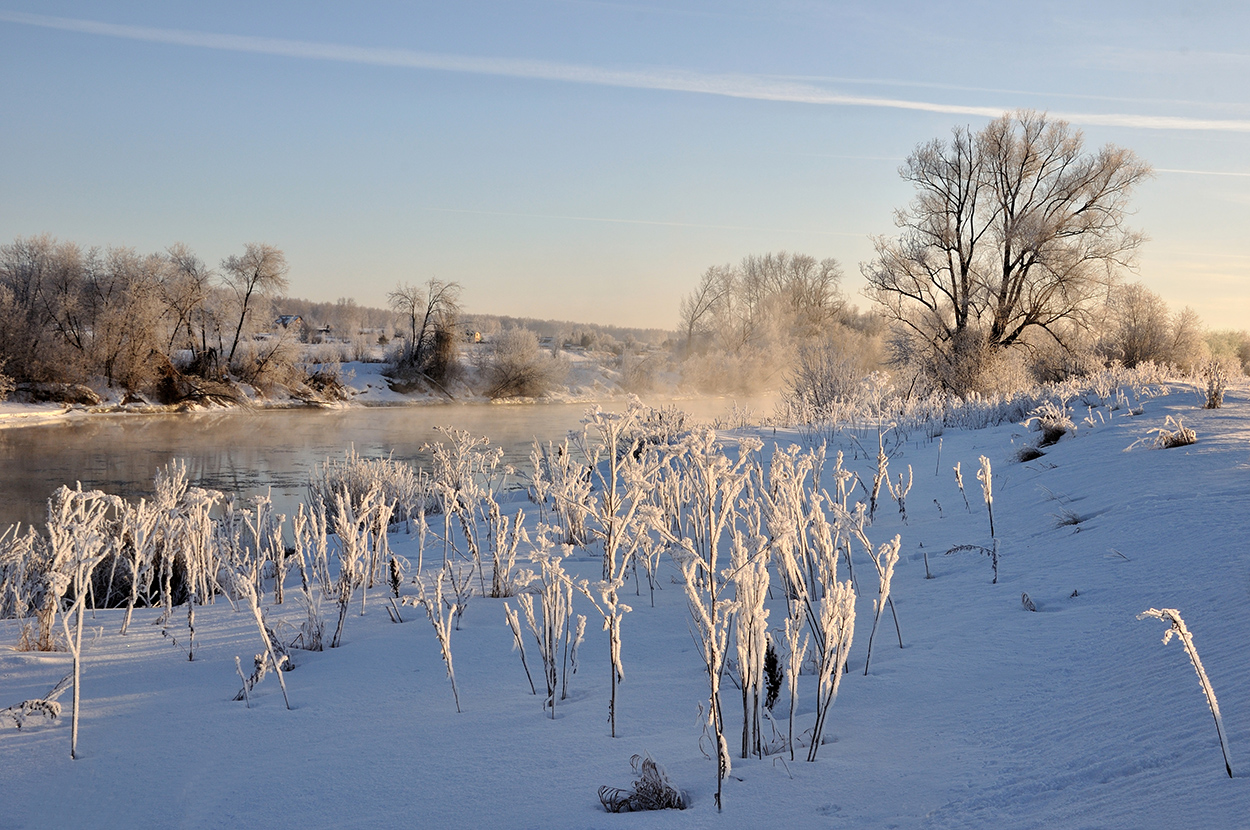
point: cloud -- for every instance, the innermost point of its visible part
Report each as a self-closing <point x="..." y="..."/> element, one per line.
<point x="728" y="85"/>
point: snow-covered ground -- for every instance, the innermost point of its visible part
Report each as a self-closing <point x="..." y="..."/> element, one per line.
<point x="991" y="716"/>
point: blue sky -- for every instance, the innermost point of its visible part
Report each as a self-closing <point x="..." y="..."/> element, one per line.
<point x="588" y="160"/>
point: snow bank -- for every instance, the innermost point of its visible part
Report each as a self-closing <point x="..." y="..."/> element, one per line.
<point x="991" y="716"/>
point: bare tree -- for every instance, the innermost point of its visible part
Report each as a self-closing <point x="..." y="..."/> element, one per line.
<point x="41" y="296"/>
<point x="432" y="311"/>
<point x="184" y="291"/>
<point x="1137" y="328"/>
<point x="1013" y="229"/>
<point x="259" y="272"/>
<point x="425" y="307"/>
<point x="125" y="309"/>
<point x="699" y="308"/>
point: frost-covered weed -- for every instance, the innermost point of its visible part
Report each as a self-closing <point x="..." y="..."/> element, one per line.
<point x="715" y="483"/>
<point x="959" y="480"/>
<point x="1177" y="628"/>
<point x="467" y="476"/>
<point x="46" y="707"/>
<point x="274" y="650"/>
<point x="884" y="560"/>
<point x="625" y="470"/>
<point x="748" y="562"/>
<point x="402" y="486"/>
<point x="899" y="492"/>
<point x="1216" y="376"/>
<point x="651" y="791"/>
<point x="1162" y="438"/>
<point x="986" y="476"/>
<point x="138" y="527"/>
<point x="78" y="540"/>
<point x="563" y="482"/>
<point x="505" y="535"/>
<point x="556" y="630"/>
<point x="354" y="526"/>
<point x="440" y="614"/>
<point x="1053" y="420"/>
<point x="20" y="576"/>
<point x="991" y="552"/>
<point x="806" y="548"/>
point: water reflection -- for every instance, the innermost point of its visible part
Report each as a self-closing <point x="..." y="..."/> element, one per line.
<point x="248" y="452"/>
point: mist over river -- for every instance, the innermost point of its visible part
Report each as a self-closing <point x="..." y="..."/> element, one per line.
<point x="246" y="452"/>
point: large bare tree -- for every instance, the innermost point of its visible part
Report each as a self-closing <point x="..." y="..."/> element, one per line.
<point x="259" y="272"/>
<point x="1014" y="229"/>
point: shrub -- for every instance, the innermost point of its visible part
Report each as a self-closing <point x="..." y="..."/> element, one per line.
<point x="7" y="384"/>
<point x="514" y="366"/>
<point x="1215" y="373"/>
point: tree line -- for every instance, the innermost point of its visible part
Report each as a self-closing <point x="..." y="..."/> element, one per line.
<point x="1008" y="267"/>
<point x="67" y="314"/>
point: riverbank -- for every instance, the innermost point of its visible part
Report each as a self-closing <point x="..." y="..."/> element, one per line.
<point x="363" y="385"/>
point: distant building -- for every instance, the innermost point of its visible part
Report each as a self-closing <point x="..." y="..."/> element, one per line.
<point x="287" y="320"/>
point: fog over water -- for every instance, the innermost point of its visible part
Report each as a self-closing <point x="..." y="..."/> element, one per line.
<point x="250" y="451"/>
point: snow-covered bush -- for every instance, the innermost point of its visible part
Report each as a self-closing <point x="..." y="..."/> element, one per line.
<point x="1215" y="373"/>
<point x="514" y="366"/>
<point x="402" y="486"/>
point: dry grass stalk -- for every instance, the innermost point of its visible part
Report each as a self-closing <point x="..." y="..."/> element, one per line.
<point x="1178" y="629"/>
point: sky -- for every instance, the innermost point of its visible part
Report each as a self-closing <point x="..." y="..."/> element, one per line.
<point x="586" y="160"/>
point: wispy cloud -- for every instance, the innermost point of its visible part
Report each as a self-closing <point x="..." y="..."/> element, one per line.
<point x="658" y="222"/>
<point x="728" y="85"/>
<point x="1201" y="172"/>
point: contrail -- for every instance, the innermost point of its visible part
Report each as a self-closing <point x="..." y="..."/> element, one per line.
<point x="1200" y="172"/>
<point x="637" y="222"/>
<point x="726" y="85"/>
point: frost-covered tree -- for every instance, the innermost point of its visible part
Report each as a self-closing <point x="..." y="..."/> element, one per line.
<point x="1014" y="231"/>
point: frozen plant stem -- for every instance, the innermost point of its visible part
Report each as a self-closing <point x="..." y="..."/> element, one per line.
<point x="249" y="593"/>
<point x="985" y="476"/>
<point x="1177" y="627"/>
<point x="959" y="479"/>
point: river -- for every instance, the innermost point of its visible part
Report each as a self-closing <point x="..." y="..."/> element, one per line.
<point x="246" y="452"/>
